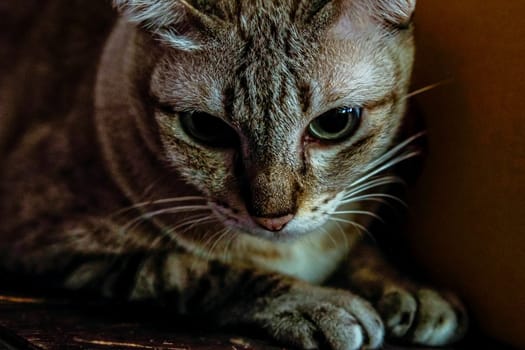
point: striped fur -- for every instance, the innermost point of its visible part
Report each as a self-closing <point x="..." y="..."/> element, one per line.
<point x="104" y="192"/>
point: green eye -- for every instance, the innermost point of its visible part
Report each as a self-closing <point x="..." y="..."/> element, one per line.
<point x="208" y="130"/>
<point x="336" y="124"/>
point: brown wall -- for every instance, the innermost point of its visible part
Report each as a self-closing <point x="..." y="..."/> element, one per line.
<point x="468" y="209"/>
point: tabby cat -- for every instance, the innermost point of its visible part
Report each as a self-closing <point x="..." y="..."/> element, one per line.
<point x="214" y="156"/>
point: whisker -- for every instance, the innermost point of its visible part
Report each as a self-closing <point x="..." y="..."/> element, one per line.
<point x="386" y="166"/>
<point x="191" y="222"/>
<point x="228" y="245"/>
<point x="204" y="249"/>
<point x="173" y="210"/>
<point x="343" y="234"/>
<point x="147" y="190"/>
<point x="208" y="242"/>
<point x="427" y="88"/>
<point x="374" y="180"/>
<point x="376" y="197"/>
<point x="329" y="235"/>
<point x="156" y="202"/>
<point x="195" y="219"/>
<point x="358" y="212"/>
<point x="381" y="181"/>
<point x="352" y="223"/>
<point x="224" y="239"/>
<point x="394" y="151"/>
<point x="170" y="233"/>
<point x="217" y="237"/>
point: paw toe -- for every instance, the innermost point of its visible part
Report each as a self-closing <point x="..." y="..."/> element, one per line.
<point x="438" y="321"/>
<point x="370" y="321"/>
<point x="340" y="330"/>
<point x="293" y="328"/>
<point x="398" y="309"/>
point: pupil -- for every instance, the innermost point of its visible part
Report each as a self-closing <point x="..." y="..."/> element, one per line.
<point x="334" y="123"/>
<point x="208" y="127"/>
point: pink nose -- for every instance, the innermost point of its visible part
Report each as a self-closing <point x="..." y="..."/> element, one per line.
<point x="273" y="224"/>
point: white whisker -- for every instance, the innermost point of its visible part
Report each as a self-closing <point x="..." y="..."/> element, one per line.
<point x="191" y="222"/>
<point x="426" y="88"/>
<point x="358" y="212"/>
<point x="217" y="239"/>
<point x="225" y="239"/>
<point x="376" y="197"/>
<point x="173" y="210"/>
<point x="386" y="166"/>
<point x="381" y="181"/>
<point x="357" y="190"/>
<point x="394" y="151"/>
<point x="352" y="223"/>
<point x="157" y="202"/>
<point x="343" y="233"/>
<point x="228" y="245"/>
<point x="329" y="234"/>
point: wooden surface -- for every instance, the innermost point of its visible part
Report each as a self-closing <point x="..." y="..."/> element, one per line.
<point x="37" y="324"/>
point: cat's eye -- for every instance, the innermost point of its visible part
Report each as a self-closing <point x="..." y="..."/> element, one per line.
<point x="336" y="124"/>
<point x="208" y="130"/>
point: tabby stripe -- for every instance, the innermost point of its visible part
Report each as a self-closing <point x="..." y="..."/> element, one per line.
<point x="129" y="267"/>
<point x="171" y="280"/>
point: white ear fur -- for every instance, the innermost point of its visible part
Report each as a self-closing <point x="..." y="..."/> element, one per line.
<point x="397" y="12"/>
<point x="389" y="12"/>
<point x="161" y="17"/>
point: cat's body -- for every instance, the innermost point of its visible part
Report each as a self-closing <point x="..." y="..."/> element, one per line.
<point x="238" y="226"/>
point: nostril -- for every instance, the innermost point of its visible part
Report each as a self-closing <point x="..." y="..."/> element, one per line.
<point x="274" y="224"/>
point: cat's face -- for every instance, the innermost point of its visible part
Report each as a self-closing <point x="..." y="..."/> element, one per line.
<point x="282" y="107"/>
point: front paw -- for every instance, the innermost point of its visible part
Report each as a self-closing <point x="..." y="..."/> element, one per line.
<point x="423" y="317"/>
<point x="314" y="317"/>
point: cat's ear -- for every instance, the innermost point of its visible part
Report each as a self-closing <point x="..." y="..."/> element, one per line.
<point x="175" y="22"/>
<point x="396" y="14"/>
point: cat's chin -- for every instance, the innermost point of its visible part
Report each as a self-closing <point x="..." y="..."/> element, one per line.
<point x="287" y="235"/>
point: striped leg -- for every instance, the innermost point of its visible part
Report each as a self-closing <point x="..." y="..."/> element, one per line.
<point x="290" y="311"/>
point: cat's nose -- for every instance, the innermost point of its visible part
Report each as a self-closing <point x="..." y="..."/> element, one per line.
<point x="273" y="224"/>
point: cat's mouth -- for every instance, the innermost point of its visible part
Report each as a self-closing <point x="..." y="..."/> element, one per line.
<point x="279" y="229"/>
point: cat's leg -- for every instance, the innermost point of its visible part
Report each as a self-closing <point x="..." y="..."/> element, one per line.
<point x="290" y="311"/>
<point x="410" y="312"/>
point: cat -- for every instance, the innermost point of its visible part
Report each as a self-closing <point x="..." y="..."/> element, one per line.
<point x="215" y="157"/>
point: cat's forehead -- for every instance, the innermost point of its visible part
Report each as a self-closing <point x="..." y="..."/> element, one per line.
<point x="266" y="64"/>
<point x="238" y="10"/>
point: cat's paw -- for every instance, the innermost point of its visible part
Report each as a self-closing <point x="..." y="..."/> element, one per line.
<point x="315" y="317"/>
<point x="423" y="317"/>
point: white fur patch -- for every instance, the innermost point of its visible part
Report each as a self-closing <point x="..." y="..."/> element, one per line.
<point x="160" y="17"/>
<point x="152" y="14"/>
<point x="359" y="12"/>
<point x="312" y="259"/>
<point x="307" y="261"/>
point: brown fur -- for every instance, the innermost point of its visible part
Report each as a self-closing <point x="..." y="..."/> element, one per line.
<point x="90" y="121"/>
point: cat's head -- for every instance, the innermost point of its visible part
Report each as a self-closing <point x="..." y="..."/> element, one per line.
<point x="274" y="109"/>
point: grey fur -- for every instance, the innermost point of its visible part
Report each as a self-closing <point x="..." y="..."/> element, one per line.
<point x="102" y="187"/>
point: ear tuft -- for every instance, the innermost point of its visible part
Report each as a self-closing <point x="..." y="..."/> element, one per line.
<point x="152" y="14"/>
<point x="167" y="19"/>
<point x="390" y="13"/>
<point x="396" y="13"/>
